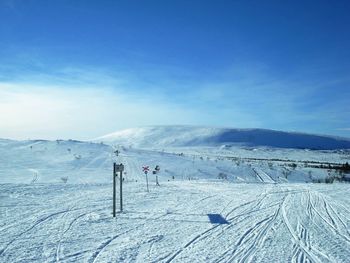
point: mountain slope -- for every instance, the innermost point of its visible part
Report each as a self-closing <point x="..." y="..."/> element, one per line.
<point x="41" y="161"/>
<point x="163" y="136"/>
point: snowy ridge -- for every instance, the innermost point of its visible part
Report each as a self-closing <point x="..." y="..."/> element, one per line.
<point x="42" y="161"/>
<point x="165" y="136"/>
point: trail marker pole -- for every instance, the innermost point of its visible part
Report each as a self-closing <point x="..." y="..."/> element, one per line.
<point x="121" y="189"/>
<point x="114" y="194"/>
<point x="118" y="168"/>
<point x="147" y="181"/>
<point x="146" y="170"/>
<point x="156" y="171"/>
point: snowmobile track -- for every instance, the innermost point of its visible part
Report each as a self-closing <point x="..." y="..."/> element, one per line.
<point x="297" y="240"/>
<point x="252" y="239"/>
<point x="38" y="222"/>
<point x="333" y="226"/>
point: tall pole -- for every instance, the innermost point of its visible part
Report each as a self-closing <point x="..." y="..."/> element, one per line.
<point x="114" y="192"/>
<point x="145" y="170"/>
<point x="121" y="191"/>
<point x="147" y="182"/>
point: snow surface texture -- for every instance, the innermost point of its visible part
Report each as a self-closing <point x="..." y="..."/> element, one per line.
<point x="165" y="136"/>
<point x="265" y="223"/>
<point x="42" y="161"/>
<point x="214" y="204"/>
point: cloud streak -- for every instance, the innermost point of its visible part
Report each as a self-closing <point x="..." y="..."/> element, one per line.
<point x="84" y="103"/>
<point x="51" y="112"/>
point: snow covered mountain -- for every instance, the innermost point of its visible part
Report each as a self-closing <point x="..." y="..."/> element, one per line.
<point x="165" y="136"/>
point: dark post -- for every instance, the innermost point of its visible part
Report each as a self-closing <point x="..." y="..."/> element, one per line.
<point x="121" y="191"/>
<point x="114" y="194"/>
<point x="147" y="182"/>
<point x="146" y="170"/>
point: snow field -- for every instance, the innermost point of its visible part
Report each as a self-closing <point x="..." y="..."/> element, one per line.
<point x="266" y="222"/>
<point x="269" y="213"/>
<point x="84" y="162"/>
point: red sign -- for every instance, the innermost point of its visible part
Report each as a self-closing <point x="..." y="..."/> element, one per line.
<point x="145" y="169"/>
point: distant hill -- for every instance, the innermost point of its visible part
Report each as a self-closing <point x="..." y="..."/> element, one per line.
<point x="162" y="136"/>
<point x="41" y="161"/>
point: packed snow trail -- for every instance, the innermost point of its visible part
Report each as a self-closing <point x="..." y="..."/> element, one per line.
<point x="266" y="223"/>
<point x="263" y="177"/>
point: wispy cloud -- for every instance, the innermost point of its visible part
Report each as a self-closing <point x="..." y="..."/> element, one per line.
<point x="81" y="111"/>
<point x="83" y="102"/>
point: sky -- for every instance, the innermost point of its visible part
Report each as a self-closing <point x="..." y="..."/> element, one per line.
<point x="82" y="69"/>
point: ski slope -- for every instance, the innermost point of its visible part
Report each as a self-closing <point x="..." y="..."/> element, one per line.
<point x="262" y="223"/>
<point x="209" y="207"/>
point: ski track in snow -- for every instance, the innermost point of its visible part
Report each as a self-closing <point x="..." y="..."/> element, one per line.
<point x="262" y="176"/>
<point x="253" y="238"/>
<point x="251" y="223"/>
<point x="57" y="256"/>
<point x="38" y="222"/>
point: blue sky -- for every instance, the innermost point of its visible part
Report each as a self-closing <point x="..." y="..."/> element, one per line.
<point x="81" y="69"/>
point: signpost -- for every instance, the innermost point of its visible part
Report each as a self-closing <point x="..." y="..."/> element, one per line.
<point x="145" y="169"/>
<point x="117" y="168"/>
<point x="156" y="171"/>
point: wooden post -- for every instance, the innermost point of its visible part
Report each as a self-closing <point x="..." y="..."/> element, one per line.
<point x="114" y="193"/>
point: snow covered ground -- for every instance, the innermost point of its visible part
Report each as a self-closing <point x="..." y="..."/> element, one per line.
<point x="180" y="221"/>
<point x="209" y="207"/>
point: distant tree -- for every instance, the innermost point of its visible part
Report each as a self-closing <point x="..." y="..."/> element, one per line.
<point x="222" y="176"/>
<point x="346" y="167"/>
<point x="64" y="179"/>
<point x="310" y="174"/>
<point x="286" y="173"/>
<point x="35" y="177"/>
<point x="293" y="165"/>
<point x="329" y="179"/>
